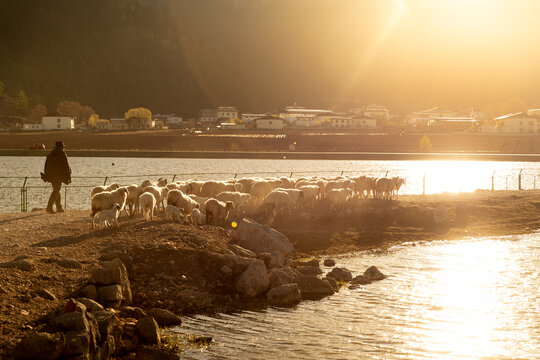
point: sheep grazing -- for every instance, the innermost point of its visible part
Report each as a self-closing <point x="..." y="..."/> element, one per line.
<point x="162" y="182"/>
<point x="201" y="200"/>
<point x="398" y="182"/>
<point x="310" y="195"/>
<point x="217" y="211"/>
<point x="337" y="198"/>
<point x="239" y="199"/>
<point x="147" y="202"/>
<point x="212" y="188"/>
<point x="99" y="189"/>
<point x="105" y="200"/>
<point x="146" y="183"/>
<point x="106" y="217"/>
<point x="260" y="189"/>
<point x="181" y="200"/>
<point x="247" y="183"/>
<point x="173" y="213"/>
<point x="158" y="193"/>
<point x="132" y="201"/>
<point x="196" y="217"/>
<point x="278" y="202"/>
<point x="384" y="188"/>
<point x="193" y="187"/>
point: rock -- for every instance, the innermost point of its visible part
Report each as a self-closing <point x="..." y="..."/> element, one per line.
<point x="148" y="353"/>
<point x="281" y="276"/>
<point x="45" y="294"/>
<point x="88" y="292"/>
<point x="21" y="257"/>
<point x="272" y="260"/>
<point x="69" y="264"/>
<point x="132" y="312"/>
<point x="373" y="274"/>
<point x="40" y="346"/>
<point x="240" y="251"/>
<point x="284" y="295"/>
<point x="72" y="321"/>
<point x="226" y="270"/>
<point x="106" y="320"/>
<point x="165" y="317"/>
<point x="312" y="262"/>
<point x="77" y="343"/>
<point x="313" y="288"/>
<point x="22" y="264"/>
<point x="119" y="254"/>
<point x="329" y="262"/>
<point x="195" y="299"/>
<point x="340" y="274"/>
<point x="107" y="348"/>
<point x="239" y="263"/>
<point x="262" y="238"/>
<point x="309" y="270"/>
<point x="333" y="283"/>
<point x="91" y="305"/>
<point x="113" y="272"/>
<point x="110" y="295"/>
<point x="360" y="280"/>
<point x="254" y="280"/>
<point x="148" y="331"/>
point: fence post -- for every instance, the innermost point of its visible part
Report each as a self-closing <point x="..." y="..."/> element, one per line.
<point x="235" y="175"/>
<point x="173" y="178"/>
<point x="493" y="181"/>
<point x="385" y="175"/>
<point x="519" y="179"/>
<point x="424" y="184"/>
<point x="290" y="174"/>
<point x="105" y="182"/>
<point x="24" y="203"/>
<point x="341" y="174"/>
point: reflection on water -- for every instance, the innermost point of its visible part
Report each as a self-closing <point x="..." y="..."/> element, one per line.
<point x="475" y="299"/>
<point x="440" y="176"/>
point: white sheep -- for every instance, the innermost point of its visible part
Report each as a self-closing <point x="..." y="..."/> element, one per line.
<point x="337" y="198"/>
<point x="384" y="188"/>
<point x="239" y="199"/>
<point x="147" y="202"/>
<point x="146" y="183"/>
<point x="310" y="195"/>
<point x="162" y="182"/>
<point x="196" y="217"/>
<point x="217" y="211"/>
<point x="99" y="189"/>
<point x="159" y="194"/>
<point x="261" y="189"/>
<point x="201" y="200"/>
<point x="212" y="188"/>
<point x="398" y="182"/>
<point x="277" y="202"/>
<point x="132" y="201"/>
<point x="105" y="200"/>
<point x="106" y="217"/>
<point x="174" y="213"/>
<point x="181" y="200"/>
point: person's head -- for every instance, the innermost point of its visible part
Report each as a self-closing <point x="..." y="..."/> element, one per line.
<point x="59" y="145"/>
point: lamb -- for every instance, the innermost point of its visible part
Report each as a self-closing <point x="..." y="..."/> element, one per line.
<point x="147" y="202"/>
<point x="106" y="217"/>
<point x="99" y="189"/>
<point x="337" y="198"/>
<point x="105" y="200"/>
<point x="162" y="182"/>
<point x="181" y="200"/>
<point x="196" y="217"/>
<point x="278" y="202"/>
<point x="217" y="211"/>
<point x="174" y="213"/>
<point x="247" y="183"/>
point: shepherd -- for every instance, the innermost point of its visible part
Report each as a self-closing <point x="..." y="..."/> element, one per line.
<point x="57" y="171"/>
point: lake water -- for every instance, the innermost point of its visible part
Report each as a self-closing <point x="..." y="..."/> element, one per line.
<point x="471" y="299"/>
<point x="440" y="176"/>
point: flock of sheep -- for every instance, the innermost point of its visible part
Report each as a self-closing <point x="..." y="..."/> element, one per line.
<point x="213" y="202"/>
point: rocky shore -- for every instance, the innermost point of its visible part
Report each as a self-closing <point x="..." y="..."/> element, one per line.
<point x="69" y="292"/>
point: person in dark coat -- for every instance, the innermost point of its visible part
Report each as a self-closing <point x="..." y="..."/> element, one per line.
<point x="57" y="171"/>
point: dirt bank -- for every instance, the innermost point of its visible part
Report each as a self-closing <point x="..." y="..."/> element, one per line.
<point x="175" y="265"/>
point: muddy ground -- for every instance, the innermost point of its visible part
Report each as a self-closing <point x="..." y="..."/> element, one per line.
<point x="174" y="264"/>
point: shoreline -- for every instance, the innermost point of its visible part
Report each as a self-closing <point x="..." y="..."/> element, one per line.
<point x="187" y="269"/>
<point x="290" y="155"/>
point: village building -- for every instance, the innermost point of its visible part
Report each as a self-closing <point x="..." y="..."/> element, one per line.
<point x="454" y="124"/>
<point x="269" y="123"/>
<point x="422" y="118"/>
<point x="518" y="123"/>
<point x="227" y="113"/>
<point x="208" y="116"/>
<point x="58" y="123"/>
<point x="249" y="118"/>
<point x="291" y="113"/>
<point x="32" y="127"/>
<point x="306" y="122"/>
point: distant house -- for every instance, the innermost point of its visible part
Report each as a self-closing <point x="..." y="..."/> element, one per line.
<point x="232" y="126"/>
<point x="454" y="124"/>
<point x="518" y="123"/>
<point x="292" y="113"/>
<point x="208" y="115"/>
<point x="117" y="124"/>
<point x="227" y="113"/>
<point x="269" y="123"/>
<point x="140" y="124"/>
<point x="353" y="121"/>
<point x="249" y="118"/>
<point x="58" y="123"/>
<point x="365" y="122"/>
<point x="306" y="122"/>
<point x="32" y="127"/>
<point x="377" y="112"/>
<point x="422" y="118"/>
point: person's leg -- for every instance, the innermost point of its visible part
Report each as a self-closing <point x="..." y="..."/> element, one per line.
<point x="58" y="201"/>
<point x="54" y="196"/>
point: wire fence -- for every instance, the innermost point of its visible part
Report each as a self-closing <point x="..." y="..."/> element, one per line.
<point x="30" y="189"/>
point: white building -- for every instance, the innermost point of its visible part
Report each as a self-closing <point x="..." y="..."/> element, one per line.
<point x="292" y="113"/>
<point x="422" y="118"/>
<point x="306" y="122"/>
<point x="376" y="112"/>
<point x="269" y="123"/>
<point x="208" y="115"/>
<point x="32" y="127"/>
<point x="58" y="123"/>
<point x="248" y="118"/>
<point x="353" y="122"/>
<point x="518" y="123"/>
<point x="227" y="113"/>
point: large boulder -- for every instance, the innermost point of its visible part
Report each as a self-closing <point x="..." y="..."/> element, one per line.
<point x="340" y="274"/>
<point x="281" y="276"/>
<point x="262" y="239"/>
<point x="240" y="251"/>
<point x="254" y="280"/>
<point x="40" y="346"/>
<point x="151" y="353"/>
<point x="272" y="260"/>
<point x="373" y="274"/>
<point x="360" y="280"/>
<point x="165" y="317"/>
<point x="71" y="321"/>
<point x="148" y="331"/>
<point x="90" y="304"/>
<point x="111" y="295"/>
<point x="21" y="264"/>
<point x="313" y="288"/>
<point x="284" y="295"/>
<point x="113" y="273"/>
<point x="77" y="344"/>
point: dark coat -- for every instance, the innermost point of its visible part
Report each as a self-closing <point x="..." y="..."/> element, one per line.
<point x="57" y="168"/>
